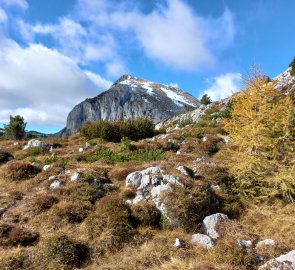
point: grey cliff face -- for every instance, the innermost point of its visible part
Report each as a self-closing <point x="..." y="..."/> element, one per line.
<point x="130" y="98"/>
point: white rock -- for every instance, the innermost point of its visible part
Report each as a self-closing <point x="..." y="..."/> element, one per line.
<point x="55" y="185"/>
<point x="87" y="145"/>
<point x="34" y="143"/>
<point x="168" y="178"/>
<point x="178" y="243"/>
<point x="184" y="170"/>
<point x="81" y="150"/>
<point x="210" y="223"/>
<point x="244" y="244"/>
<point x="16" y="143"/>
<point x="134" y="179"/>
<point x="203" y="240"/>
<point x="157" y="191"/>
<point x="138" y="199"/>
<point x="128" y="202"/>
<point x="152" y="170"/>
<point x="51" y="177"/>
<point x="145" y="182"/>
<point x="75" y="176"/>
<point x="67" y="171"/>
<point x="283" y="262"/>
<point x="266" y="242"/>
<point x="47" y="167"/>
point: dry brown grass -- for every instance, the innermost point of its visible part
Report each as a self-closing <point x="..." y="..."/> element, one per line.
<point x="18" y="171"/>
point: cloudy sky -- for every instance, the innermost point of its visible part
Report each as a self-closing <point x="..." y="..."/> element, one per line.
<point x="54" y="54"/>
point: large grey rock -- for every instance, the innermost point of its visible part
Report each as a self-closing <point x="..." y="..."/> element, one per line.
<point x="134" y="179"/>
<point x="150" y="184"/>
<point x="283" y="262"/>
<point x="34" y="143"/>
<point x="203" y="240"/>
<point x="211" y="222"/>
<point x="130" y="98"/>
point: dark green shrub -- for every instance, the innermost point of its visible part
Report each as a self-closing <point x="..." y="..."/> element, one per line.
<point x="36" y="151"/>
<point x="185" y="122"/>
<point x="114" y="131"/>
<point x="15" y="130"/>
<point x="146" y="214"/>
<point x="17" y="171"/>
<point x="110" y="156"/>
<point x="292" y="66"/>
<point x="186" y="208"/>
<point x="205" y="100"/>
<point x="58" y="251"/>
<point x="111" y="222"/>
<point x="11" y="235"/>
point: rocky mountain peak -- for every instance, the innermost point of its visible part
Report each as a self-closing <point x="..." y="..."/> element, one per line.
<point x="128" y="98"/>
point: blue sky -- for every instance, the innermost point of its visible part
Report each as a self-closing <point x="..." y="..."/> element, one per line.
<point x="54" y="54"/>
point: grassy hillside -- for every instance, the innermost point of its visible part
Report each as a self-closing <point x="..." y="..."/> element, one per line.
<point x="73" y="214"/>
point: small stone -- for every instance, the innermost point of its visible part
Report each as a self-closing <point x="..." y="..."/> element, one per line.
<point x="138" y="199"/>
<point x="244" y="244"/>
<point x="87" y="145"/>
<point x="51" y="177"/>
<point x="75" y="176"/>
<point x="203" y="240"/>
<point x="81" y="150"/>
<point x="46" y="167"/>
<point x="185" y="171"/>
<point x="178" y="243"/>
<point x="55" y="185"/>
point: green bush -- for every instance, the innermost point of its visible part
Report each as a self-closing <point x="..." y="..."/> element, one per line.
<point x="15" y="130"/>
<point x="110" y="156"/>
<point x="59" y="252"/>
<point x="36" y="151"/>
<point x="185" y="122"/>
<point x="114" y="131"/>
<point x="205" y="100"/>
<point x="292" y="66"/>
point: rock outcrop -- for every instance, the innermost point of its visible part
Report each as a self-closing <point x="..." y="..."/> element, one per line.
<point x="130" y="98"/>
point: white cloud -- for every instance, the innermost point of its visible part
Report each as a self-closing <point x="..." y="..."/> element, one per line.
<point x="172" y="33"/>
<point x="41" y="84"/>
<point x="19" y="3"/>
<point x="3" y="15"/>
<point x="223" y="86"/>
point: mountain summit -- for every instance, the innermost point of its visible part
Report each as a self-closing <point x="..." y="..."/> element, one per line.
<point x="128" y="98"/>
